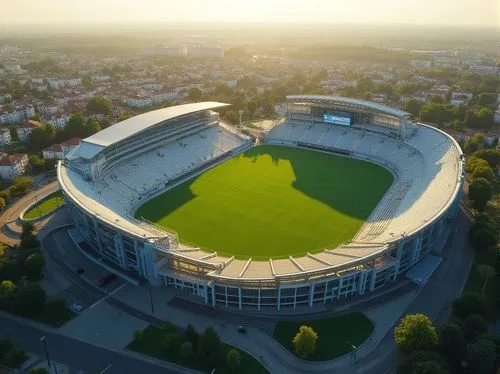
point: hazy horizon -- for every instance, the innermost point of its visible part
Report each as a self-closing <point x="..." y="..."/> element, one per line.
<point x="111" y="13"/>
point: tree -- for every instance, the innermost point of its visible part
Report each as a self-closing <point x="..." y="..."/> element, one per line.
<point x="452" y="343"/>
<point x="485" y="118"/>
<point x="474" y="143"/>
<point x="2" y="203"/>
<point x="186" y="350"/>
<point x="56" y="308"/>
<point x="471" y="303"/>
<point x="233" y="359"/>
<point x="29" y="300"/>
<point x="232" y="117"/>
<point x="486" y="272"/>
<point x="483" y="238"/>
<point x="41" y="137"/>
<point x="415" y="332"/>
<point x="39" y="371"/>
<point x="87" y="82"/>
<point x="491" y="156"/>
<point x="9" y="269"/>
<point x="20" y="187"/>
<point x="423" y="362"/>
<point x="480" y="192"/>
<point x="305" y="341"/>
<point x="209" y="348"/>
<point x="428" y="367"/>
<point x="5" y="196"/>
<point x="474" y="326"/>
<point x="92" y="126"/>
<point x="192" y="335"/>
<point x="173" y="342"/>
<point x="7" y="290"/>
<point x="487" y="99"/>
<point x="194" y="94"/>
<point x="99" y="105"/>
<point x="484" y="171"/>
<point x="252" y="107"/>
<point x="28" y="238"/>
<point x="481" y="356"/>
<point x="37" y="163"/>
<point x="413" y="106"/>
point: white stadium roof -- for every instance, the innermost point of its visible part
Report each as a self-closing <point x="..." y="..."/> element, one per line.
<point x="131" y="126"/>
<point x="350" y="101"/>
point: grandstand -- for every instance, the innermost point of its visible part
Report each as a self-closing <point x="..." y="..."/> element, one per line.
<point x="118" y="169"/>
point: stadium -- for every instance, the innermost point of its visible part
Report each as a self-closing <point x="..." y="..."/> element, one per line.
<point x="339" y="198"/>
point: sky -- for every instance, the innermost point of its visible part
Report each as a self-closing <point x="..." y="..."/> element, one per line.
<point x="436" y="12"/>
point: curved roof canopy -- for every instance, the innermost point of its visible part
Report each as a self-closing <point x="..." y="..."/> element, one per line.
<point x="119" y="131"/>
<point x="346" y="101"/>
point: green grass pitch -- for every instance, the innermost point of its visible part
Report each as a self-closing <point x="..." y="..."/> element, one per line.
<point x="272" y="201"/>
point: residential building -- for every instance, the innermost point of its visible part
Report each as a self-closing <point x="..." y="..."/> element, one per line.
<point x="12" y="166"/>
<point x="5" y="137"/>
<point x="421" y="64"/>
<point x="481" y="69"/>
<point x="24" y="130"/>
<point x="58" y="151"/>
<point x="17" y="114"/>
<point x="458" y="98"/>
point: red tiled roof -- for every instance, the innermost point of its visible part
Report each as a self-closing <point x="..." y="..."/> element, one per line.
<point x="10" y="160"/>
<point x="72" y="142"/>
<point x="54" y="148"/>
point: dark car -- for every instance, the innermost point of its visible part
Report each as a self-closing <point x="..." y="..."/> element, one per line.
<point x="104" y="281"/>
<point x="242" y="329"/>
<point x="80" y="271"/>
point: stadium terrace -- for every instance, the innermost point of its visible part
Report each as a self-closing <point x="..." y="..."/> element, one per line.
<point x="112" y="174"/>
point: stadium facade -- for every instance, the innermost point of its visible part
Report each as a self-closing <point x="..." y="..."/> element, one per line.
<point x="116" y="170"/>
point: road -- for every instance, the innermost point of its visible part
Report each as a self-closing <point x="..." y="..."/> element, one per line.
<point x="13" y="211"/>
<point x="77" y="354"/>
<point x="434" y="300"/>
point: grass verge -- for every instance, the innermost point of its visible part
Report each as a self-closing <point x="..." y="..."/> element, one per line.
<point x="334" y="334"/>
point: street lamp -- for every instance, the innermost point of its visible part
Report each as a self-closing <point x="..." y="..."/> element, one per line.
<point x="151" y="300"/>
<point x="353" y="354"/>
<point x="43" y="340"/>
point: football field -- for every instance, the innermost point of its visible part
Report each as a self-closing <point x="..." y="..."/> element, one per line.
<point x="272" y="201"/>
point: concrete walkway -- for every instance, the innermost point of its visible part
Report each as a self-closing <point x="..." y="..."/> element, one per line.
<point x="376" y="355"/>
<point x="9" y="217"/>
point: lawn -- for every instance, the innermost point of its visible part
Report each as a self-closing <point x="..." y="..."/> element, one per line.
<point x="334" y="333"/>
<point x="152" y="345"/>
<point x="272" y="201"/>
<point x="45" y="206"/>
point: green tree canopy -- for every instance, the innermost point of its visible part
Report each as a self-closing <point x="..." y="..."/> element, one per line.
<point x="415" y="332"/>
<point x="2" y="203"/>
<point x="413" y="106"/>
<point x="186" y="350"/>
<point x="209" y="350"/>
<point x="233" y="359"/>
<point x="33" y="266"/>
<point x="474" y="326"/>
<point x="492" y="156"/>
<point x="232" y="117"/>
<point x="483" y="239"/>
<point x="194" y="94"/>
<point x="484" y="171"/>
<point x="481" y="357"/>
<point x="29" y="300"/>
<point x="480" y="192"/>
<point x="252" y="107"/>
<point x="99" y="105"/>
<point x="305" y="341"/>
<point x="471" y="303"/>
<point x="452" y="343"/>
<point x="486" y="272"/>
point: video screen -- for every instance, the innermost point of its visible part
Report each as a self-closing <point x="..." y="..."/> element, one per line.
<point x="337" y="119"/>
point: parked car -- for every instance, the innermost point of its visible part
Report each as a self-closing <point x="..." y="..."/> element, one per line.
<point x="107" y="279"/>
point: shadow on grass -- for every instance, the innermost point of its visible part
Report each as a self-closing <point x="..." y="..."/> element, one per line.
<point x="348" y="175"/>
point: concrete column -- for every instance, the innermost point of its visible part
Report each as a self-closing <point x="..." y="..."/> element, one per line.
<point x="205" y="293"/>
<point x="399" y="253"/>
<point x="120" y="250"/>
<point x="373" y="277"/>
<point x="97" y="235"/>
<point x="213" y="295"/>
<point x="239" y="298"/>
<point x="340" y="286"/>
<point x="311" y="295"/>
<point x="258" y="304"/>
<point x="279" y="298"/>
